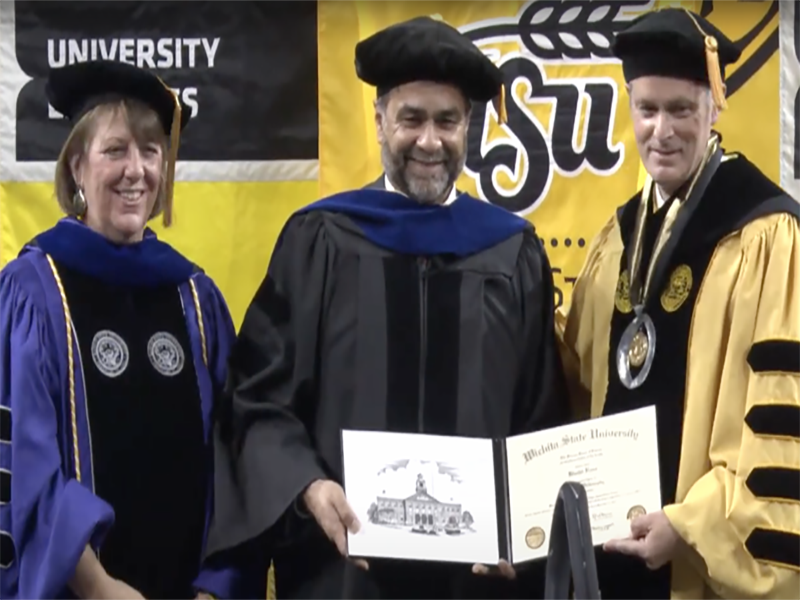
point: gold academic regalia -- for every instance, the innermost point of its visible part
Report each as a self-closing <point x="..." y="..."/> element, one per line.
<point x="725" y="378"/>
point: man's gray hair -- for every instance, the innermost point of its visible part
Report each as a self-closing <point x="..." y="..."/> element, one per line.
<point x="382" y="101"/>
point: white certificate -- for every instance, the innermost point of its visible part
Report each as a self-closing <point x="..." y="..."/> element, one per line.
<point x="615" y="458"/>
<point x="473" y="500"/>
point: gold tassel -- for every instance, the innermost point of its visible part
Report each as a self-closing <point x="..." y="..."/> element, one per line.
<point x="714" y="73"/>
<point x="712" y="65"/>
<point x="172" y="157"/>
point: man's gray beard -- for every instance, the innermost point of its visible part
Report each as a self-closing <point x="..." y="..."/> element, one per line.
<point x="430" y="190"/>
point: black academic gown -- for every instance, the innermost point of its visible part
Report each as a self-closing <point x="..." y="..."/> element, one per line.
<point x="379" y="313"/>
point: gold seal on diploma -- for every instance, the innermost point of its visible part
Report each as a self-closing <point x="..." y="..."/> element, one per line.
<point x="636" y="511"/>
<point x="535" y="537"/>
<point x="622" y="298"/>
<point x="680" y="284"/>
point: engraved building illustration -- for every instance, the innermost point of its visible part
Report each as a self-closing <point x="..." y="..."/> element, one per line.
<point x="421" y="512"/>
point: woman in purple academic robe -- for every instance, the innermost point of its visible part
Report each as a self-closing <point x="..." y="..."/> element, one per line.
<point x="112" y="349"/>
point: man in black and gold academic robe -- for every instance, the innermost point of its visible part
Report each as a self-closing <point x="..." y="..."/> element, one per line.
<point x="393" y="311"/>
<point x="689" y="300"/>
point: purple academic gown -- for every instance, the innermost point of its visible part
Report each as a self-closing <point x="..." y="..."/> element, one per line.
<point x="52" y="517"/>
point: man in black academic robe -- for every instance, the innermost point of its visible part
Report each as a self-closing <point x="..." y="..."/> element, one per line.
<point x="410" y="309"/>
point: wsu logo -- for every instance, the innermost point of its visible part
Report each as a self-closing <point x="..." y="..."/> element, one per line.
<point x="580" y="131"/>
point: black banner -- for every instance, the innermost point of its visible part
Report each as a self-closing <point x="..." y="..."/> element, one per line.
<point x="247" y="70"/>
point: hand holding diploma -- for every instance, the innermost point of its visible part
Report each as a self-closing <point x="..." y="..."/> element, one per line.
<point x="326" y="501"/>
<point x="504" y="569"/>
<point x="653" y="539"/>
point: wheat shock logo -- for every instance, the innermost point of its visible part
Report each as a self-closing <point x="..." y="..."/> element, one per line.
<point x="253" y="104"/>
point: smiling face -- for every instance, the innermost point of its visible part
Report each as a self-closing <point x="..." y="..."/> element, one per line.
<point x="118" y="163"/>
<point x="422" y="129"/>
<point x="672" y="121"/>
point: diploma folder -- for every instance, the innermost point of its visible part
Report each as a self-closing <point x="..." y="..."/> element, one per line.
<point x="477" y="500"/>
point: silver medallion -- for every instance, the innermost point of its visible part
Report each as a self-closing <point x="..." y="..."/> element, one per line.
<point x="637" y="349"/>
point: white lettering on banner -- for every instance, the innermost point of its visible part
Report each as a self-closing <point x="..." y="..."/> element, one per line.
<point x="163" y="53"/>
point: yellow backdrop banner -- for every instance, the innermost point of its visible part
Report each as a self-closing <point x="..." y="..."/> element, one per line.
<point x="567" y="157"/>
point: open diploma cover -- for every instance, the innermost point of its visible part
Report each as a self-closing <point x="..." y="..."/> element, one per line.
<point x="473" y="500"/>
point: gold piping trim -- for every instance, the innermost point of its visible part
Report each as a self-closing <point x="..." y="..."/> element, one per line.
<point x="71" y="367"/>
<point x="200" y="324"/>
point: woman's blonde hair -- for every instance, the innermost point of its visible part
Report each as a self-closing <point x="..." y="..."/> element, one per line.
<point x="146" y="128"/>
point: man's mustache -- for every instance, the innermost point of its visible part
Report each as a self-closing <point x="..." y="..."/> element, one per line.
<point x="442" y="157"/>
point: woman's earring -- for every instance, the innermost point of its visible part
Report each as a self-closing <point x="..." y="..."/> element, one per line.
<point x="79" y="202"/>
